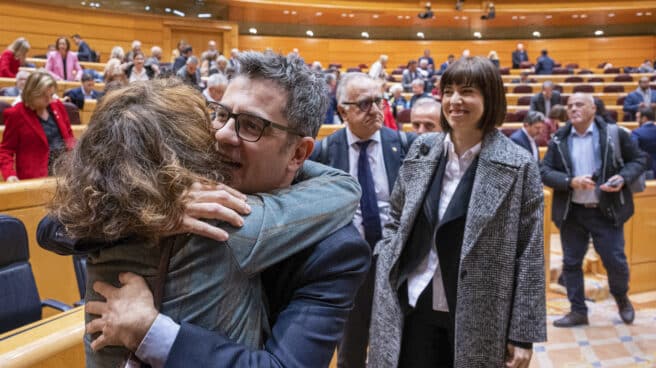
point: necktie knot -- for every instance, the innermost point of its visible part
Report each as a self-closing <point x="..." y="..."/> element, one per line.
<point x="363" y="145"/>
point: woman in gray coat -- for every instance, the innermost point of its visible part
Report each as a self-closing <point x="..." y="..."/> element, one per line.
<point x="460" y="272"/>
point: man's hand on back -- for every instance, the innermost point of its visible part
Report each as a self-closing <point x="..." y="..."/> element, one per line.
<point x="215" y="202"/>
<point x="125" y="317"/>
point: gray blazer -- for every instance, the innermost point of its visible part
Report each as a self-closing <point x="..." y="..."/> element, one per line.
<point x="501" y="292"/>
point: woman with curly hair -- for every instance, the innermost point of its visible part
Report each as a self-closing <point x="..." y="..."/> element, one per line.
<point x="124" y="188"/>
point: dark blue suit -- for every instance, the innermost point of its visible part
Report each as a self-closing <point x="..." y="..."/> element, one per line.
<point x="544" y="65"/>
<point x="84" y="52"/>
<point x="310" y="296"/>
<point x="521" y="139"/>
<point x="77" y="96"/>
<point x="632" y="102"/>
<point x="645" y="137"/>
<point x="352" y="349"/>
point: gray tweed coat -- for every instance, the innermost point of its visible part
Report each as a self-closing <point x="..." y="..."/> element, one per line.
<point x="501" y="292"/>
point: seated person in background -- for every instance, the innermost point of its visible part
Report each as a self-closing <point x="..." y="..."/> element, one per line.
<point x="543" y="100"/>
<point x="450" y="60"/>
<point x="319" y="292"/>
<point x="427" y="57"/>
<point x="84" y="92"/>
<point x="63" y="63"/>
<point x="190" y="73"/>
<point x="523" y="78"/>
<point x="12" y="58"/>
<point x="418" y="86"/>
<point x="397" y="101"/>
<point x="645" y="137"/>
<point x="409" y="74"/>
<point x="37" y="131"/>
<point x="533" y="128"/>
<point x="16" y="90"/>
<point x="545" y="64"/>
<point x="181" y="60"/>
<point x="216" y="86"/>
<point x="136" y="47"/>
<point x="601" y="112"/>
<point x="222" y="66"/>
<point x="425" y="116"/>
<point x="557" y="115"/>
<point x="331" y="113"/>
<point x="155" y="56"/>
<point x="518" y="56"/>
<point x="208" y="63"/>
<point x="643" y="96"/>
<point x="137" y="70"/>
<point x="494" y="58"/>
<point x="646" y="67"/>
<point x="84" y="52"/>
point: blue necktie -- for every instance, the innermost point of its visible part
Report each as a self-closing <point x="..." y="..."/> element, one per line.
<point x="368" y="201"/>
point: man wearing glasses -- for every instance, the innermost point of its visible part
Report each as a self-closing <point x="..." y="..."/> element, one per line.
<point x="265" y="124"/>
<point x="373" y="154"/>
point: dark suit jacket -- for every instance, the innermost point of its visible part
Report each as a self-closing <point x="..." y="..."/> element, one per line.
<point x="544" y="65"/>
<point x="316" y="288"/>
<point x="521" y="139"/>
<point x="84" y="52"/>
<point x="77" y="96"/>
<point x="633" y="100"/>
<point x="537" y="101"/>
<point x="645" y="136"/>
<point x="518" y="57"/>
<point x="338" y="152"/>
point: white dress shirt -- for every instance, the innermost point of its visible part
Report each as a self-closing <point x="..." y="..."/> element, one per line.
<point x="430" y="267"/>
<point x="534" y="147"/>
<point x="378" y="171"/>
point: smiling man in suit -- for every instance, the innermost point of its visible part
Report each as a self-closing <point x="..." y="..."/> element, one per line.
<point x="373" y="154"/>
<point x="545" y="99"/>
<point x="532" y="129"/>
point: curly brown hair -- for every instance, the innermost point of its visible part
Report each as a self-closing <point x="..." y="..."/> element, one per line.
<point x="145" y="145"/>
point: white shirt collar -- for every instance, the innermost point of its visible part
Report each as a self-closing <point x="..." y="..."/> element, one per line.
<point x="468" y="156"/>
<point x="352" y="138"/>
<point x="530" y="139"/>
<point x="590" y="130"/>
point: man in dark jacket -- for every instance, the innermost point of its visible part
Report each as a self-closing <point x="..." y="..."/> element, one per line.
<point x="84" y="92"/>
<point x="591" y="198"/>
<point x="84" y="52"/>
<point x="545" y="64"/>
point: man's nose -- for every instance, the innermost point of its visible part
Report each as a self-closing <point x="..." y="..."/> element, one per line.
<point x="228" y="133"/>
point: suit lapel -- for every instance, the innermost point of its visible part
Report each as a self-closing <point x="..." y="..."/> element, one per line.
<point x="339" y="150"/>
<point x="493" y="181"/>
<point x="34" y="123"/>
<point x="458" y="205"/>
<point x="432" y="199"/>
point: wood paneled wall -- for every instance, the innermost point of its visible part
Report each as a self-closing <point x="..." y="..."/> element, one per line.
<point x="587" y="52"/>
<point x="102" y="30"/>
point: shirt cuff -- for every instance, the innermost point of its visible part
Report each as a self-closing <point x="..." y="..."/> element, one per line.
<point x="520" y="344"/>
<point x="156" y="345"/>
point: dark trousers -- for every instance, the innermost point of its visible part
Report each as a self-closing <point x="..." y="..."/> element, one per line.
<point x="608" y="240"/>
<point x="352" y="350"/>
<point x="427" y="336"/>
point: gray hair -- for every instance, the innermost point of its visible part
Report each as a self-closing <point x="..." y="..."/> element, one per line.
<point x="192" y="60"/>
<point x="117" y="53"/>
<point x="426" y="102"/>
<point x="418" y="82"/>
<point x="534" y="117"/>
<point x="547" y="84"/>
<point x="396" y="88"/>
<point x="347" y="79"/>
<point x="222" y="58"/>
<point x="22" y="74"/>
<point x="217" y="80"/>
<point x="156" y="50"/>
<point x="307" y="92"/>
<point x="136" y="43"/>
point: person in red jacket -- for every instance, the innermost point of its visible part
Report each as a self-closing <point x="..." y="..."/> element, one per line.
<point x="12" y="58"/>
<point x="37" y="131"/>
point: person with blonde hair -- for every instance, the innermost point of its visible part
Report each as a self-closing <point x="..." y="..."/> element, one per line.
<point x="12" y="58"/>
<point x="37" y="131"/>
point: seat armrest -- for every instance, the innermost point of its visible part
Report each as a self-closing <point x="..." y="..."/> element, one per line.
<point x="55" y="304"/>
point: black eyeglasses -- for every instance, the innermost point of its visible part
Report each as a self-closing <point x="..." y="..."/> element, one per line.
<point x="365" y="105"/>
<point x="248" y="127"/>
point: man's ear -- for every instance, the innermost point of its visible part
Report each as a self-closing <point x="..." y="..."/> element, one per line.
<point x="302" y="150"/>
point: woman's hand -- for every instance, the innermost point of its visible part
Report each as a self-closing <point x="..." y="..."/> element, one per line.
<point x="216" y="202"/>
<point x="517" y="357"/>
<point x="13" y="179"/>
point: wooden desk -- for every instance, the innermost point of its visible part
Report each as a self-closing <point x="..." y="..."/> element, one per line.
<point x="41" y="63"/>
<point x="62" y="86"/>
<point x="52" y="342"/>
<point x="560" y="78"/>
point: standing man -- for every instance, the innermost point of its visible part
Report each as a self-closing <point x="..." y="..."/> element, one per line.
<point x="643" y="96"/>
<point x="84" y="52"/>
<point x="591" y="198"/>
<point x="418" y="91"/>
<point x="450" y="60"/>
<point x="545" y="64"/>
<point x="518" y="56"/>
<point x="533" y="128"/>
<point x="427" y="57"/>
<point x="543" y="100"/>
<point x="310" y="294"/>
<point x="190" y="73"/>
<point x="645" y="136"/>
<point x="181" y="60"/>
<point x="411" y="73"/>
<point x="377" y="69"/>
<point x="372" y="154"/>
<point x="425" y="116"/>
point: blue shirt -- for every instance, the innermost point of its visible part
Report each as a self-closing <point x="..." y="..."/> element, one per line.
<point x="585" y="152"/>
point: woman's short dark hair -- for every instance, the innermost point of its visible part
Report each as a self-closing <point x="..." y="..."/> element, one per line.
<point x="480" y="73"/>
<point x="144" y="147"/>
<point x="68" y="43"/>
